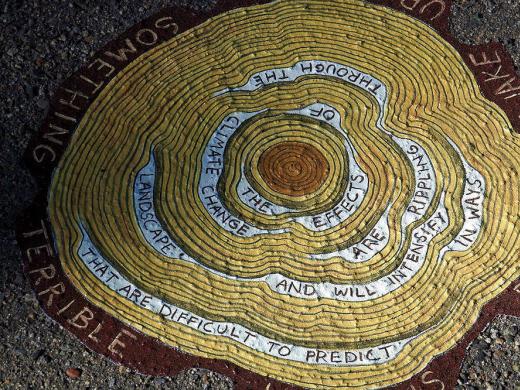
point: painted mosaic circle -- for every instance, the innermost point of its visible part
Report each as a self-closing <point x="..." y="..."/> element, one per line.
<point x="303" y="188"/>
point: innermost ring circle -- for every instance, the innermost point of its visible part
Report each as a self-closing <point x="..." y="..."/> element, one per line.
<point x="293" y="168"/>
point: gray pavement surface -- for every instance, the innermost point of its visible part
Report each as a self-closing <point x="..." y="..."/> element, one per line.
<point x="42" y="42"/>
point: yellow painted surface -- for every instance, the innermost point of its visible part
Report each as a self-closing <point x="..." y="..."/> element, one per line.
<point x="165" y="99"/>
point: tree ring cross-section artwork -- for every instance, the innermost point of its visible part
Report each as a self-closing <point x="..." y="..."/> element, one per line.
<point x="318" y="194"/>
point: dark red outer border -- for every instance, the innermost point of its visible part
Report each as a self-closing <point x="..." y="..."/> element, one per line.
<point x="496" y="76"/>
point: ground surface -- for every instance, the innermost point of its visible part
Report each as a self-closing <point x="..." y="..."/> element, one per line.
<point x="44" y="41"/>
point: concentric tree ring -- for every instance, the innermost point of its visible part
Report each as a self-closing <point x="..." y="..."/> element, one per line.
<point x="325" y="208"/>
